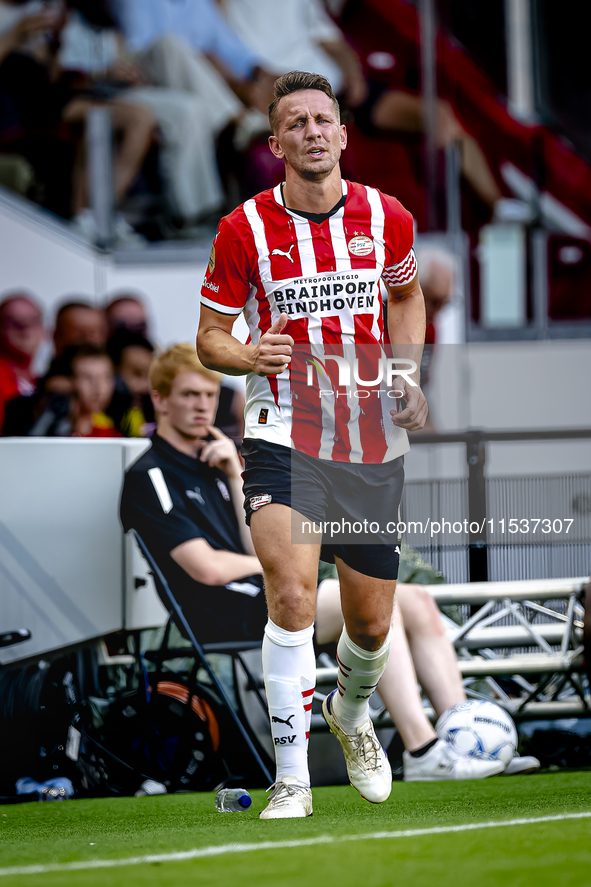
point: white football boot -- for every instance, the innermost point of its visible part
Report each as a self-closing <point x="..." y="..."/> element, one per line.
<point x="521" y="765"/>
<point x="442" y="762"/>
<point x="289" y="799"/>
<point x="367" y="763"/>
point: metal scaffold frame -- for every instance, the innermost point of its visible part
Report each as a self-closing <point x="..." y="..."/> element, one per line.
<point x="533" y="669"/>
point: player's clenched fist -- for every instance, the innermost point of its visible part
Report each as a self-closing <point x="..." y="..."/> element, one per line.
<point x="414" y="415"/>
<point x="273" y="353"/>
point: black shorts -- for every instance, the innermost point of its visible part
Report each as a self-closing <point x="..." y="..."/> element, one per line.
<point x="356" y="499"/>
<point x="223" y="613"/>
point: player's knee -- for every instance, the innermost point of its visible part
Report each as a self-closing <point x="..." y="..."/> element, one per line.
<point x="293" y="598"/>
<point x="370" y="633"/>
<point x="291" y="603"/>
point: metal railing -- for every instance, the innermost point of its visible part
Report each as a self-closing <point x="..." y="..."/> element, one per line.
<point x="489" y="548"/>
<point x="532" y="668"/>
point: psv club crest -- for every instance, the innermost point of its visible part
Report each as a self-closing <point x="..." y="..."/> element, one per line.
<point x="360" y="245"/>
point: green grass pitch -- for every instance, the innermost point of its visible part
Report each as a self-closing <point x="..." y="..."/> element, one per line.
<point x="352" y="849"/>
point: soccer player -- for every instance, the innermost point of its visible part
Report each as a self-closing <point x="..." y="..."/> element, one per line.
<point x="268" y="259"/>
<point x="184" y="497"/>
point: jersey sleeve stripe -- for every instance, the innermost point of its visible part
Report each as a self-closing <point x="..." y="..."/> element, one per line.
<point x="159" y="484"/>
<point x="221" y="309"/>
<point x="403" y="272"/>
<point x="410" y="258"/>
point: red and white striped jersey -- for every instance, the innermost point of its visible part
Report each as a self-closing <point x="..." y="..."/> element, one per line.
<point x="266" y="260"/>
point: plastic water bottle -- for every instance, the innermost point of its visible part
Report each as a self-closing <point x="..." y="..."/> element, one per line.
<point x="232" y="800"/>
<point x="59" y="788"/>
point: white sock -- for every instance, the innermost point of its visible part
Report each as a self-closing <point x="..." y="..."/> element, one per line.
<point x="289" y="667"/>
<point x="359" y="673"/>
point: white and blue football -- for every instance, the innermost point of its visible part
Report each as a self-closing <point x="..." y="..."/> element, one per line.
<point x="479" y="729"/>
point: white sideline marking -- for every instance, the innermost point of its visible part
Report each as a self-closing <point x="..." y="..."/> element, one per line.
<point x="220" y="850"/>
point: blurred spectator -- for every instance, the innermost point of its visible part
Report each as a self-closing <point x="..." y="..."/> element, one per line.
<point x="188" y="45"/>
<point x="399" y="111"/>
<point x="23" y="24"/>
<point x="437" y="270"/>
<point x="76" y="323"/>
<point x="79" y="323"/>
<point x="291" y="35"/>
<point x="217" y="58"/>
<point x="42" y="99"/>
<point x="91" y="44"/>
<point x="82" y="413"/>
<point x="93" y="383"/>
<point x="437" y="276"/>
<point x="299" y="34"/>
<point x="127" y="312"/>
<point x="21" y="334"/>
<point x="131" y="407"/>
<point x="29" y="110"/>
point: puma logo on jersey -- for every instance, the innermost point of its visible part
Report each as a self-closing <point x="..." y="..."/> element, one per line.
<point x="281" y="721"/>
<point x="279" y="252"/>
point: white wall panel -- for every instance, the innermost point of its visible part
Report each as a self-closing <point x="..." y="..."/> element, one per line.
<point x="64" y="568"/>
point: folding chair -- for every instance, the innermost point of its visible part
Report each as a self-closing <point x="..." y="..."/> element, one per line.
<point x="9" y="638"/>
<point x="234" y="648"/>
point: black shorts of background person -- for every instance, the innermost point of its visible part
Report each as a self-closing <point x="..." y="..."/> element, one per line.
<point x="346" y="495"/>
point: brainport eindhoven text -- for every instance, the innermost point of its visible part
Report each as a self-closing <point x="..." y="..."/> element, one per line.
<point x="324" y="294"/>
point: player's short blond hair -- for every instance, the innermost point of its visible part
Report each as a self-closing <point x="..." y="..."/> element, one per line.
<point x="294" y="81"/>
<point x="179" y="359"/>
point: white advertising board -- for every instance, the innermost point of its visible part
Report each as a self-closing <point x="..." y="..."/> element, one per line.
<point x="67" y="573"/>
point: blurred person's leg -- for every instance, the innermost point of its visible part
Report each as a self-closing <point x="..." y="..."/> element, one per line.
<point x="187" y="158"/>
<point x="398" y="685"/>
<point x="402" y="111"/>
<point x="172" y="62"/>
<point x="432" y="653"/>
<point x="133" y="124"/>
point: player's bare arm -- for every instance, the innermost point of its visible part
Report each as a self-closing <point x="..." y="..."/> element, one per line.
<point x="406" y="325"/>
<point x="212" y="567"/>
<point x="218" y="349"/>
<point x="221" y="453"/>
